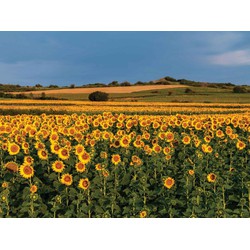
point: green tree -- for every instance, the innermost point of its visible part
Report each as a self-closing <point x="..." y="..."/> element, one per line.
<point x="98" y="96"/>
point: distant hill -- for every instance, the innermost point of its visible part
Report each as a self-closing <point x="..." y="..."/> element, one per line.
<point x="168" y="80"/>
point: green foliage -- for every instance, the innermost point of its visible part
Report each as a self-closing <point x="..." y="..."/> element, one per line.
<point x="189" y="91"/>
<point x="239" y="89"/>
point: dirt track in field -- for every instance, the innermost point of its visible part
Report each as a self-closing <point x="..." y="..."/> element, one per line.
<point x="128" y="89"/>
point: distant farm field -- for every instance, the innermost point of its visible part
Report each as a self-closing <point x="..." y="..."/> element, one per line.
<point x="125" y="89"/>
<point x="152" y="93"/>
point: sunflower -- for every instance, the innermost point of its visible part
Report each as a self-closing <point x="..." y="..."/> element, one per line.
<point x="105" y="135"/>
<point x="103" y="155"/>
<point x="105" y="173"/>
<point x="84" y="157"/>
<point x="168" y="157"/>
<point x="240" y="145"/>
<point x="54" y="147"/>
<point x="13" y="148"/>
<point x="98" y="167"/>
<point x="42" y="154"/>
<point x="211" y="177"/>
<point x="33" y="189"/>
<point x="209" y="149"/>
<point x="143" y="214"/>
<point x="166" y="150"/>
<point x="197" y="142"/>
<point x="67" y="179"/>
<point x="53" y="137"/>
<point x="191" y="172"/>
<point x="116" y="144"/>
<point x="161" y="135"/>
<point x="12" y="166"/>
<point x="5" y="184"/>
<point x="58" y="166"/>
<point x="26" y="171"/>
<point x="80" y="167"/>
<point x="186" y="140"/>
<point x="138" y="163"/>
<point x="219" y="133"/>
<point x="4" y="146"/>
<point x="84" y="184"/>
<point x="63" y="153"/>
<point x="116" y="159"/>
<point x="169" y="136"/>
<point x="135" y="158"/>
<point x="125" y="141"/>
<point x="207" y="139"/>
<point x="198" y="126"/>
<point x="92" y="142"/>
<point x="169" y="182"/>
<point x="39" y="145"/>
<point x="79" y="149"/>
<point x="156" y="148"/>
<point x="28" y="160"/>
<point x="25" y="145"/>
<point x="137" y="143"/>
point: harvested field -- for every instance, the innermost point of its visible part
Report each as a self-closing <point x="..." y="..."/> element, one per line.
<point x="125" y="89"/>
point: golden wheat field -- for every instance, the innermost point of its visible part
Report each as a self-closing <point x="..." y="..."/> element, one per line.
<point x="120" y="89"/>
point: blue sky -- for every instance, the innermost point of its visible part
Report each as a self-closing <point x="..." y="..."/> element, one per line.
<point x="63" y="58"/>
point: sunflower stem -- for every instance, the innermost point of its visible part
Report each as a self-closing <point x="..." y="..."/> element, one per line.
<point x="32" y="208"/>
<point x="67" y="197"/>
<point x="54" y="206"/>
<point x="223" y="197"/>
<point x="89" y="202"/>
<point x="8" y="207"/>
<point x="104" y="186"/>
<point x="155" y="173"/>
<point x="249" y="199"/>
<point x="187" y="193"/>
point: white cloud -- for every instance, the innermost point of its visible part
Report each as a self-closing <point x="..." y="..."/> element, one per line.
<point x="231" y="58"/>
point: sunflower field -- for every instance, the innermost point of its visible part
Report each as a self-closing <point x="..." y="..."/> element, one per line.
<point x="121" y="165"/>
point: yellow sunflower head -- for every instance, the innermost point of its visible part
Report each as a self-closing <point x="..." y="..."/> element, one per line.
<point x="63" y="153"/>
<point x="143" y="214"/>
<point x="33" y="189"/>
<point x="240" y="145"/>
<point x="211" y="177"/>
<point x="13" y="148"/>
<point x="67" y="179"/>
<point x="79" y="149"/>
<point x="186" y="140"/>
<point x="26" y="171"/>
<point x="80" y="167"/>
<point x="169" y="182"/>
<point x="116" y="159"/>
<point x="84" y="157"/>
<point x="58" y="166"/>
<point x="42" y="154"/>
<point x="28" y="159"/>
<point x="5" y="184"/>
<point x="84" y="183"/>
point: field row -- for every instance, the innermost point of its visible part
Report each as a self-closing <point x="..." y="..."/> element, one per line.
<point x="123" y="107"/>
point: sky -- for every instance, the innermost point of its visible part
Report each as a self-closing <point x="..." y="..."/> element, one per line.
<point x="63" y="58"/>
